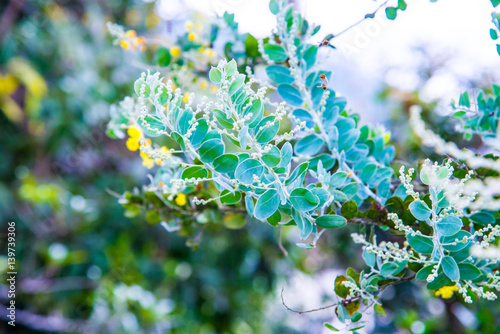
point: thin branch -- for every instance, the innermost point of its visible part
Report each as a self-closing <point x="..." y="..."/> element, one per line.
<point x="280" y="244"/>
<point x="302" y="312"/>
<point x="367" y="16"/>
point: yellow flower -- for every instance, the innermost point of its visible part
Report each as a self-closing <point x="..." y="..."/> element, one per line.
<point x="162" y="149"/>
<point x="8" y="84"/>
<point x="213" y="89"/>
<point x="189" y="25"/>
<point x="180" y="199"/>
<point x="133" y="144"/>
<point x="185" y="98"/>
<point x="446" y="292"/>
<point x="148" y="162"/>
<point x="144" y="155"/>
<point x="192" y="36"/>
<point x="199" y="26"/>
<point x="204" y="84"/>
<point x="134" y="132"/>
<point x="209" y="52"/>
<point x="131" y="33"/>
<point x="124" y="44"/>
<point x="175" y="51"/>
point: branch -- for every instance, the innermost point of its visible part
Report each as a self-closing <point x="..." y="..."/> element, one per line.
<point x="280" y="244"/>
<point x="367" y="16"/>
<point x="307" y="311"/>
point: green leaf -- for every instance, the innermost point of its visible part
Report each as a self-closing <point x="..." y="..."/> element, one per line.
<point x="459" y="114"/>
<point x="275" y="218"/>
<point x="370" y="258"/>
<point x="247" y="169"/>
<point x="225" y="163"/>
<point x="424" y="272"/>
<point x="211" y="150"/>
<point x="450" y="239"/>
<point x="464" y="100"/>
<point x="388" y="268"/>
<point x="310" y="56"/>
<point x="151" y="125"/>
<point x="237" y="84"/>
<point x="420" y="210"/>
<point x="303" y="199"/>
<point x="153" y="217"/>
<point x="272" y="158"/>
<point x="229" y="198"/>
<point x="367" y="172"/>
<point x="342" y="313"/>
<point x="340" y="289"/>
<point x="495" y="2"/>
<point x="349" y="209"/>
<point x="330" y="327"/>
<point x="450" y="268"/>
<point x="309" y="145"/>
<point x="290" y="94"/>
<point x="286" y="155"/>
<point x="493" y="34"/>
<point x="182" y="124"/>
<point x="402" y="5"/>
<point x="274" y="7"/>
<point x="468" y="271"/>
<point x="298" y="171"/>
<point x="482" y="218"/>
<point x="267" y="204"/>
<point x="194" y="171"/>
<point x="421" y="244"/>
<point x="223" y="120"/>
<point x="449" y="225"/>
<point x="252" y="46"/>
<point x="257" y="109"/>
<point x="215" y="75"/>
<point x="279" y="74"/>
<point x="338" y="179"/>
<point x="438" y="282"/>
<point x="275" y="52"/>
<point x="391" y="12"/>
<point x="140" y="84"/>
<point x="330" y="221"/>
<point x="266" y="134"/>
<point x="351" y="189"/>
<point x="200" y="133"/>
<point x="163" y="57"/>
<point x="379" y="310"/>
<point x="230" y="68"/>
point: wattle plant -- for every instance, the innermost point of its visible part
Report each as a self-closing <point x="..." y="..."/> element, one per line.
<point x="282" y="149"/>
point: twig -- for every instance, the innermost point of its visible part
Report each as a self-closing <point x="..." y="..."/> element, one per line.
<point x="307" y="311"/>
<point x="367" y="16"/>
<point x="280" y="244"/>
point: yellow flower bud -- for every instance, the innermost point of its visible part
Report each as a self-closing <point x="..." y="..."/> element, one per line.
<point x="133" y="144"/>
<point x="124" y="44"/>
<point x="131" y="33"/>
<point x="134" y="132"/>
<point x="180" y="199"/>
<point x="192" y="36"/>
<point x="175" y="51"/>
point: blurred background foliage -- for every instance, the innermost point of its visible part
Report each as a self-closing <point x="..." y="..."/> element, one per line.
<point x="85" y="268"/>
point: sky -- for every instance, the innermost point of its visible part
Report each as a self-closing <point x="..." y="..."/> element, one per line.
<point x="454" y="32"/>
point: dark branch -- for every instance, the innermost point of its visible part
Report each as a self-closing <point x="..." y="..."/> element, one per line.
<point x="307" y="311"/>
<point x="367" y="16"/>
